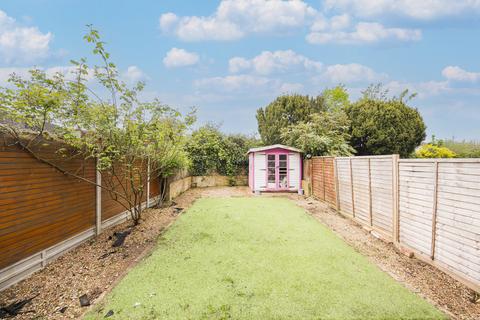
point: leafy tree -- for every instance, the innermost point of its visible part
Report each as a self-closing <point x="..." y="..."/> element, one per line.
<point x="204" y="148"/>
<point x="326" y="132"/>
<point x="336" y="98"/>
<point x="123" y="133"/>
<point x="284" y="111"/>
<point x="323" y="134"/>
<point x="212" y="152"/>
<point x="434" y="151"/>
<point x="380" y="125"/>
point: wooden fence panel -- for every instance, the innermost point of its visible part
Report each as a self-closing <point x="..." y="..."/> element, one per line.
<point x="44" y="213"/>
<point x="39" y="206"/>
<point x="381" y="175"/>
<point x="416" y="190"/>
<point x="457" y="236"/>
<point x="330" y="188"/>
<point x="111" y="207"/>
<point x="344" y="185"/>
<point x="318" y="177"/>
<point x="323" y="179"/>
<point x="361" y="193"/>
<point x="431" y="206"/>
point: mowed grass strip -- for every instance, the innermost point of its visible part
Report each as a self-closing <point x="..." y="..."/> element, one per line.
<point x="258" y="258"/>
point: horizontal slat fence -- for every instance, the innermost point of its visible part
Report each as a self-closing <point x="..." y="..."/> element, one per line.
<point x="323" y="179"/>
<point x="43" y="212"/>
<point x="429" y="206"/>
<point x="439" y="211"/>
<point x="40" y="206"/>
<point x="366" y="191"/>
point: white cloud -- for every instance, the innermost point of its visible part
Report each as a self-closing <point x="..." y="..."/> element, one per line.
<point x="423" y="89"/>
<point x="130" y="75"/>
<point x="6" y="72"/>
<point x="350" y="73"/>
<point x="455" y="73"/>
<point x="167" y="21"/>
<point x="134" y="74"/>
<point x="180" y="58"/>
<point x="67" y="71"/>
<point x="415" y="9"/>
<point x="340" y="22"/>
<point x="291" y="88"/>
<point x="238" y="64"/>
<point x="364" y="32"/>
<point x="22" y="44"/>
<point x="279" y="61"/>
<point x="234" y="83"/>
<point x="233" y="19"/>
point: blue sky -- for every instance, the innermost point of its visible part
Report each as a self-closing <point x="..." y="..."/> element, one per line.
<point x="229" y="58"/>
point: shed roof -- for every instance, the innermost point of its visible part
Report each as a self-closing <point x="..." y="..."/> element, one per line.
<point x="274" y="146"/>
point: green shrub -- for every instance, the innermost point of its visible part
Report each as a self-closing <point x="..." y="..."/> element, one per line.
<point x="381" y="125"/>
<point x="213" y="152"/>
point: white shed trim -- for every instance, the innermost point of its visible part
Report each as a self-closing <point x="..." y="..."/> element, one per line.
<point x="273" y="147"/>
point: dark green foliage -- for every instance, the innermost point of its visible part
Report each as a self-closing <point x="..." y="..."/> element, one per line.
<point x="210" y="151"/>
<point x="284" y="111"/>
<point x="385" y="126"/>
<point x="325" y="132"/>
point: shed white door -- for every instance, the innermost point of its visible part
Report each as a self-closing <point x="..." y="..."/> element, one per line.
<point x="260" y="171"/>
<point x="294" y="171"/>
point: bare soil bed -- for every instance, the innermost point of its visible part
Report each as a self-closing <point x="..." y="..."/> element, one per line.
<point x="93" y="268"/>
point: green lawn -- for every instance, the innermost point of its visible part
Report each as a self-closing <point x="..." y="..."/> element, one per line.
<point x="258" y="258"/>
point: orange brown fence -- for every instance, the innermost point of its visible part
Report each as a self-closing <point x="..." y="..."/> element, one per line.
<point x="44" y="213"/>
<point x="323" y="179"/>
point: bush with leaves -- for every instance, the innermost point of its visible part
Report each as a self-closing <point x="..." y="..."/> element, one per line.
<point x="434" y="151"/>
<point x="325" y="132"/>
<point x="285" y="111"/>
<point x="123" y="133"/>
<point x="212" y="152"/>
<point x="381" y="125"/>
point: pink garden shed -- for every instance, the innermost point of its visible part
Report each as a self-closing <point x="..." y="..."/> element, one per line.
<point x="275" y="168"/>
